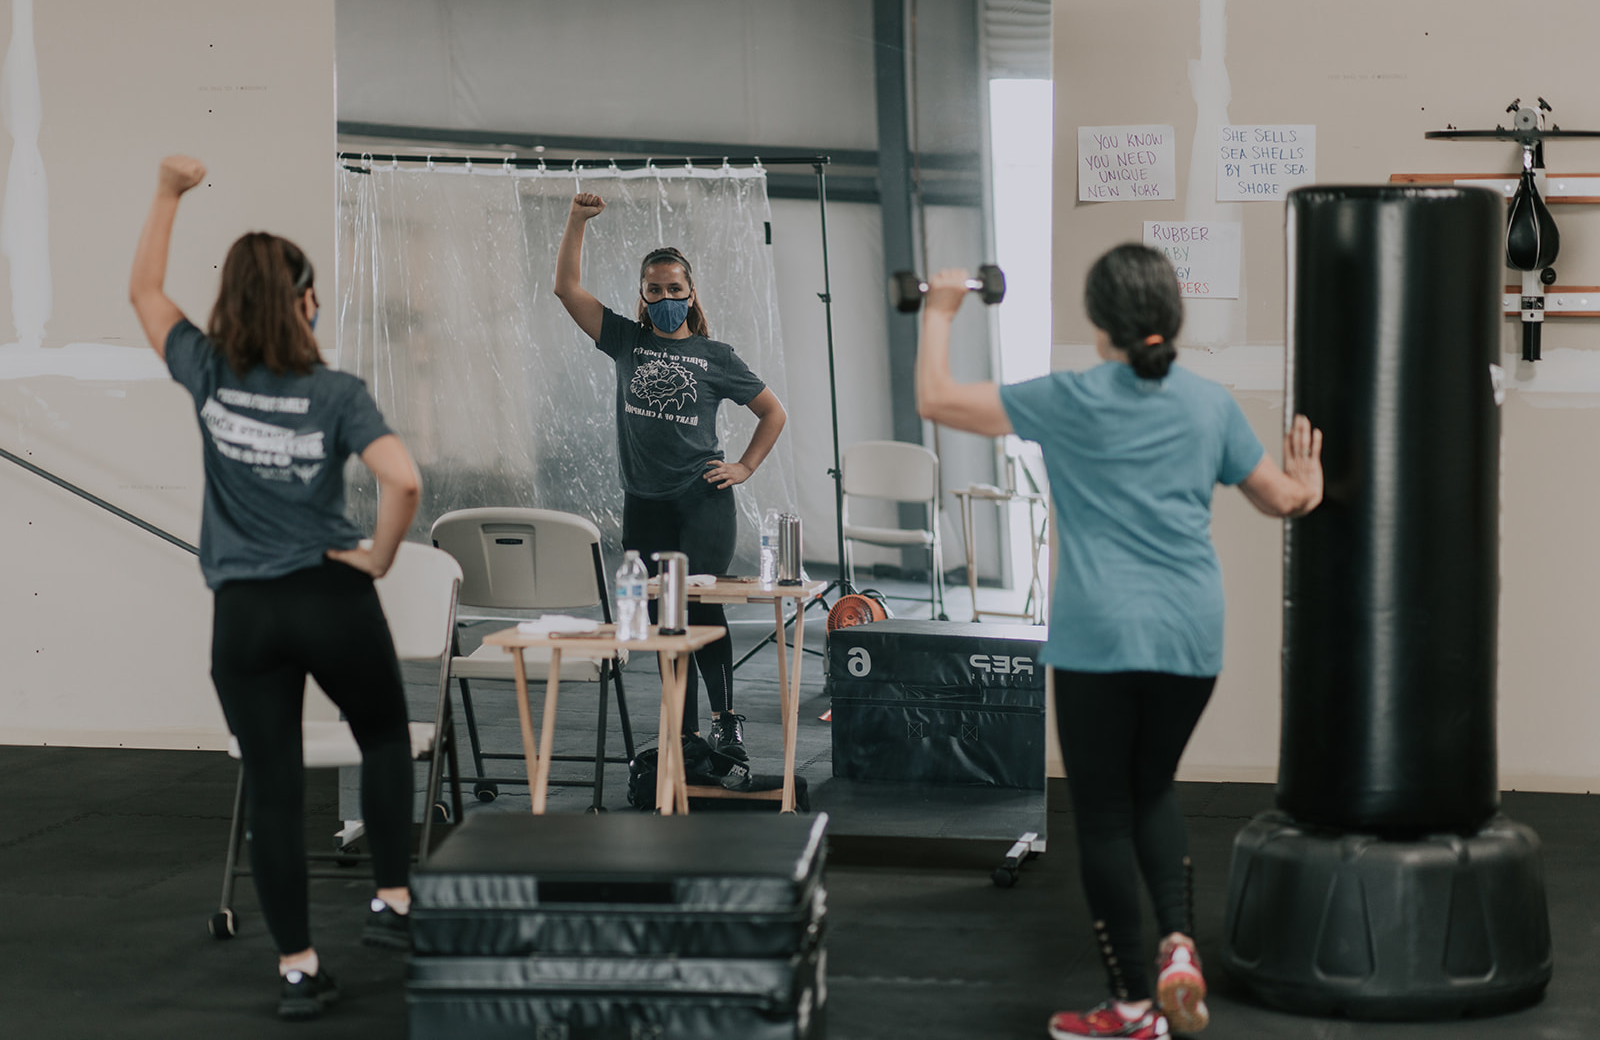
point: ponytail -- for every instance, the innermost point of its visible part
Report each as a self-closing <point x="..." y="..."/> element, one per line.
<point x="1131" y="293"/>
<point x="257" y="319"/>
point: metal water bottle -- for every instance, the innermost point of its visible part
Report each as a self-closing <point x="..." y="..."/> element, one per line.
<point x="788" y="549"/>
<point x="672" y="609"/>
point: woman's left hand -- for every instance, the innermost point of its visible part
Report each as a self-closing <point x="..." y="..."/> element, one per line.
<point x="726" y="474"/>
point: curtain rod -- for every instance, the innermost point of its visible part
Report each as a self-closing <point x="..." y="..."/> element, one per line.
<point x="668" y="162"/>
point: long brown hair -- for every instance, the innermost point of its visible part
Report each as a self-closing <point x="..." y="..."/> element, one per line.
<point x="257" y="319"/>
<point x="670" y="255"/>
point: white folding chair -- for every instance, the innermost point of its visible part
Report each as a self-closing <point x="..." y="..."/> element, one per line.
<point x="898" y="472"/>
<point x="531" y="560"/>
<point x="419" y="602"/>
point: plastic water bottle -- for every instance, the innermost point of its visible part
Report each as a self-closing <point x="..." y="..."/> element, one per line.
<point x="769" y="548"/>
<point x="633" y="612"/>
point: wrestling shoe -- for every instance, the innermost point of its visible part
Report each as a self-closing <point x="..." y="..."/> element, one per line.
<point x="727" y="736"/>
<point x="1181" y="989"/>
<point x="303" y="996"/>
<point x="385" y="928"/>
<point x="1105" y="1020"/>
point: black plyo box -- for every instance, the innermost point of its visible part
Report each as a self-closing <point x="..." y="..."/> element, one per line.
<point x="624" y="884"/>
<point x="626" y="925"/>
<point x="938" y="702"/>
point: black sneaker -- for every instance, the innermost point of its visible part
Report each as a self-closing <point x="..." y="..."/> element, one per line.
<point x="386" y="928"/>
<point x="304" y="996"/>
<point x="727" y="735"/>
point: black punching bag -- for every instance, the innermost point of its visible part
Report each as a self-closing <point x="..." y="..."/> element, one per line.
<point x="1385" y="885"/>
<point x="1391" y="586"/>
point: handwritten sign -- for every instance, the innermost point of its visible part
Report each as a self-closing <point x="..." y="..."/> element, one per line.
<point x="1206" y="256"/>
<point x="1261" y="163"/>
<point x="1126" y="163"/>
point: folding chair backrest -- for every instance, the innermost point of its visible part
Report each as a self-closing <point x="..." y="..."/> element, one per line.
<point x="891" y="469"/>
<point x="419" y="599"/>
<point x="523" y="559"/>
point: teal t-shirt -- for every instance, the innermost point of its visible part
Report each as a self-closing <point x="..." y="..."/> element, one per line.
<point x="1132" y="463"/>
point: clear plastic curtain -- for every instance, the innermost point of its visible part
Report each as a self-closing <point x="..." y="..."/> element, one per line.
<point x="446" y="309"/>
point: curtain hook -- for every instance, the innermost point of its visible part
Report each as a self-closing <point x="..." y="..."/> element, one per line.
<point x="542" y="168"/>
<point x="469" y="164"/>
<point x="507" y="165"/>
<point x="430" y="162"/>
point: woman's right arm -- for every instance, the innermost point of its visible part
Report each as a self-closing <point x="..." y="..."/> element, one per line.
<point x="587" y="311"/>
<point x="1296" y="489"/>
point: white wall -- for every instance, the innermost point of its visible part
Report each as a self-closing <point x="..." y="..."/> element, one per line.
<point x="106" y="628"/>
<point x="1372" y="76"/>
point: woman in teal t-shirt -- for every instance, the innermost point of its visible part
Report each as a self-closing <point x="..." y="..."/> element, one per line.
<point x="1133" y="448"/>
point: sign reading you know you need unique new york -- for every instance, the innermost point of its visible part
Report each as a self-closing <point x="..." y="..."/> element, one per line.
<point x="1126" y="163"/>
<point x="1261" y="163"/>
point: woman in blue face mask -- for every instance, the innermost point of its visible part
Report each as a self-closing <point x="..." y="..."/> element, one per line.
<point x="677" y="484"/>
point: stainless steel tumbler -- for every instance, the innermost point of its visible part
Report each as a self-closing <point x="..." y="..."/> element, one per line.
<point x="673" y="605"/>
<point x="788" y="549"/>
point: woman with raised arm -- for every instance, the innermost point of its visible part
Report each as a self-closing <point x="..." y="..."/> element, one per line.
<point x="292" y="580"/>
<point x="677" y="484"/>
<point x="1133" y="449"/>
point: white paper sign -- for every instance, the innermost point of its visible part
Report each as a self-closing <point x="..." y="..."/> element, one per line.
<point x="1126" y="163"/>
<point x="1261" y="163"/>
<point x="1206" y="256"/>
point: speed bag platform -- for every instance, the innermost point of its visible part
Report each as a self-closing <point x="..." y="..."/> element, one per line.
<point x="938" y="702"/>
<point x="1321" y="922"/>
<point x="621" y="925"/>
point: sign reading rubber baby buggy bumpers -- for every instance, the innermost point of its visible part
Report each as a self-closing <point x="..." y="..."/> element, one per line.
<point x="1126" y="163"/>
<point x="1205" y="256"/>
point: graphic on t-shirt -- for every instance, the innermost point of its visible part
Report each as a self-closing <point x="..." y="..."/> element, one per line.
<point x="662" y="383"/>
<point x="276" y="452"/>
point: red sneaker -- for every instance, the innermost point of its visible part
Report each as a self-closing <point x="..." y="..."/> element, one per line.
<point x="1105" y="1020"/>
<point x="1181" y="989"/>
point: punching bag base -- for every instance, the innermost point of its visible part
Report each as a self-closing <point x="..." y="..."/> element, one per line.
<point x="1324" y="923"/>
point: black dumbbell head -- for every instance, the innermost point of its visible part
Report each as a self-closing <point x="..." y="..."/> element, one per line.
<point x="994" y="283"/>
<point x="905" y="292"/>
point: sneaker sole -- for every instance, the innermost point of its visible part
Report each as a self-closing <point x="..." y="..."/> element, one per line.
<point x="1183" y="1000"/>
<point x="303" y="1008"/>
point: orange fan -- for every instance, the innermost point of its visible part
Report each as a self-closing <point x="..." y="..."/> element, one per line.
<point x="857" y="609"/>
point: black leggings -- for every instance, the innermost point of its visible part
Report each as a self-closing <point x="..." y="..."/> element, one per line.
<point x="701" y="523"/>
<point x="266" y="635"/>
<point x="1122" y="734"/>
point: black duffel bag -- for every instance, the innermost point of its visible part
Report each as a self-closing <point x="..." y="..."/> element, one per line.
<point x="705" y="766"/>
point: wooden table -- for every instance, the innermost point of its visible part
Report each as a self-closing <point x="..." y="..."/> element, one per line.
<point x="673" y="651"/>
<point x="1032" y="610"/>
<point x="749" y="590"/>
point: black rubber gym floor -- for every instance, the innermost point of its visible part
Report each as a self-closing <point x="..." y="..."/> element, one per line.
<point x="110" y="864"/>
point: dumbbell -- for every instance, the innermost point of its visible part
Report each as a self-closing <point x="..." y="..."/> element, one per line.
<point x="906" y="289"/>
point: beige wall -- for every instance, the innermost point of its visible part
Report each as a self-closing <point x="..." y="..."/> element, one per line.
<point x="106" y="629"/>
<point x="1372" y="77"/>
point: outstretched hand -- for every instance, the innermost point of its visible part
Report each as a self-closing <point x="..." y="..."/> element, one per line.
<point x="179" y="173"/>
<point x="586" y="205"/>
<point x="946" y="291"/>
<point x="1302" y="457"/>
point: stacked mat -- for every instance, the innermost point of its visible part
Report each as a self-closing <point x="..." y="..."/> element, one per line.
<point x="621" y="926"/>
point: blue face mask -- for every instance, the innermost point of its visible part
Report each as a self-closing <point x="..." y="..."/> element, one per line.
<point x="667" y="315"/>
<point x="314" y="316"/>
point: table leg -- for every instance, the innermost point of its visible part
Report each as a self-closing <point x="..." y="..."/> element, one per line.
<point x="969" y="542"/>
<point x="680" y="685"/>
<point x="548" y="733"/>
<point x="530" y="747"/>
<point x="791" y="706"/>
<point x="664" y="741"/>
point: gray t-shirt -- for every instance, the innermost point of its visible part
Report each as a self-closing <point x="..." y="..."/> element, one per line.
<point x="274" y="449"/>
<point x="668" y="391"/>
